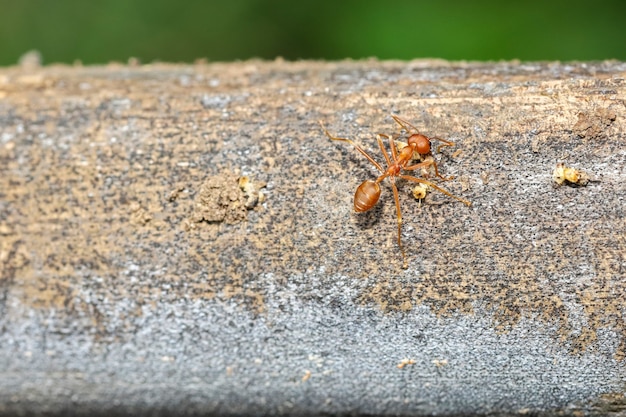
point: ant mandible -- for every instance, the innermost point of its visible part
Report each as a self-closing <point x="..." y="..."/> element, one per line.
<point x="368" y="193"/>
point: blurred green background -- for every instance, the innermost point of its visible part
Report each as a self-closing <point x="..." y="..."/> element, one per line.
<point x="166" y="30"/>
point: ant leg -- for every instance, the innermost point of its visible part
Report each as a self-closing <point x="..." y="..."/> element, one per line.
<point x="445" y="143"/>
<point x="424" y="164"/>
<point x="399" y="213"/>
<point x="451" y="177"/>
<point x="403" y="124"/>
<point x="392" y="146"/>
<point x="428" y="162"/>
<point x="436" y="187"/>
<point x="357" y="147"/>
<point x="381" y="145"/>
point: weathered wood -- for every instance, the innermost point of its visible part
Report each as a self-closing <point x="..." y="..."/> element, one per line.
<point x="134" y="278"/>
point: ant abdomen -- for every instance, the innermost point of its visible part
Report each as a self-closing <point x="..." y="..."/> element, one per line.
<point x="366" y="195"/>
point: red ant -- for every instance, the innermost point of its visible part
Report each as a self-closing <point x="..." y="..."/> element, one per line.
<point x="368" y="193"/>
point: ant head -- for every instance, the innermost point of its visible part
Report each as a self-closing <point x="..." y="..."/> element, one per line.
<point x="422" y="143"/>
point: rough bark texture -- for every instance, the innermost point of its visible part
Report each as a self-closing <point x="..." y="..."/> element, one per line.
<point x="137" y="275"/>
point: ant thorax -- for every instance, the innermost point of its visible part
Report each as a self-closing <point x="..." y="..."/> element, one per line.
<point x="426" y="171"/>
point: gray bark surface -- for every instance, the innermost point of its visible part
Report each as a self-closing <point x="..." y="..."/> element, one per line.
<point x="138" y="274"/>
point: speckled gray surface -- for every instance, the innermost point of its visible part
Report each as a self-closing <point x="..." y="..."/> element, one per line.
<point x="213" y="358"/>
<point x="117" y="298"/>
